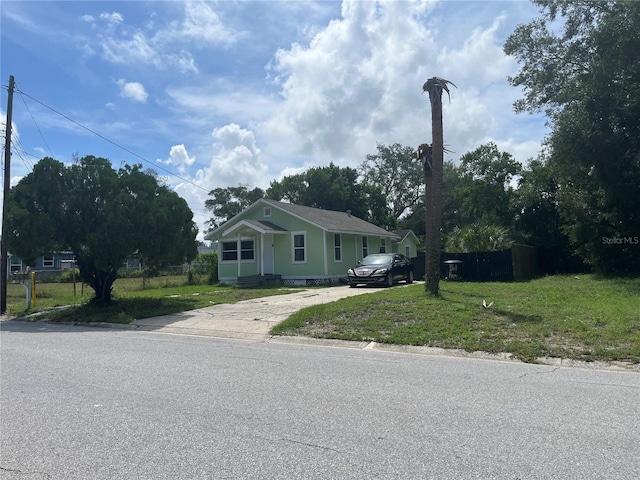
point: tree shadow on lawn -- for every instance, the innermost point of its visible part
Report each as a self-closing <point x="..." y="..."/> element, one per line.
<point x="124" y="310"/>
<point x="514" y="317"/>
<point x="518" y="317"/>
<point x="629" y="284"/>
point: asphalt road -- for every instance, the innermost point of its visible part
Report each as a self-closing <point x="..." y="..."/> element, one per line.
<point x="88" y="403"/>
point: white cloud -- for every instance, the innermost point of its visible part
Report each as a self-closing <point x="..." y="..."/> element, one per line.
<point x="132" y="90"/>
<point x="358" y="82"/>
<point x="480" y="60"/>
<point x="355" y="84"/>
<point x="179" y="157"/>
<point x="113" y="17"/>
<point x="237" y="159"/>
<point x="204" y="105"/>
<point x="203" y="24"/>
<point x="166" y="46"/>
<point x="290" y="171"/>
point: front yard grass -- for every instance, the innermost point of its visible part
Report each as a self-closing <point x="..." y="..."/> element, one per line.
<point x="161" y="296"/>
<point x="578" y="317"/>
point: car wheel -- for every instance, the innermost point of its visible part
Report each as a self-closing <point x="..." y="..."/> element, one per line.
<point x="410" y="277"/>
<point x="353" y="285"/>
<point x="389" y="280"/>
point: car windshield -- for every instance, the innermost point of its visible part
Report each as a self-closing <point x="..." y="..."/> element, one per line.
<point x="376" y="260"/>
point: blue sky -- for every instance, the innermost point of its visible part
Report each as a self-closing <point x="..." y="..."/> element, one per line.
<point x="217" y="94"/>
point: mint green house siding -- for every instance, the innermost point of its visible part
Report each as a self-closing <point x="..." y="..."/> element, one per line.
<point x="297" y="244"/>
<point x="407" y="243"/>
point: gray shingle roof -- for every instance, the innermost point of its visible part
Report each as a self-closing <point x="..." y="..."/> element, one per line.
<point x="401" y="233"/>
<point x="266" y="226"/>
<point x="340" y="222"/>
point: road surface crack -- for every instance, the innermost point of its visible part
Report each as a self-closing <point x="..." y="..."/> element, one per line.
<point x="313" y="445"/>
<point x="540" y="372"/>
<point x="24" y="472"/>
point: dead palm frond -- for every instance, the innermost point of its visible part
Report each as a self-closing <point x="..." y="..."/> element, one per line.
<point x="484" y="304"/>
<point x="437" y="83"/>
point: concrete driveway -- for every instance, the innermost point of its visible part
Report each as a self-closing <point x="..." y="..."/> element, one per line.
<point x="249" y="319"/>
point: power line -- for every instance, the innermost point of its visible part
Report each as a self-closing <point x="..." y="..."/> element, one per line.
<point x="21" y="151"/>
<point x="155" y="165"/>
<point x="35" y="123"/>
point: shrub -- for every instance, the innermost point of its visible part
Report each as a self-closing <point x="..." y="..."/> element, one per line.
<point x="206" y="264"/>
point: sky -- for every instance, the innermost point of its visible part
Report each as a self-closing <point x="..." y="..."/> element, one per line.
<point x="219" y="94"/>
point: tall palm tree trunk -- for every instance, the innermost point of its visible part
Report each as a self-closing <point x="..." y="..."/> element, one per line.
<point x="433" y="186"/>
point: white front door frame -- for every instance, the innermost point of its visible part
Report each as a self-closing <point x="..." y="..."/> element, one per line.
<point x="267" y="265"/>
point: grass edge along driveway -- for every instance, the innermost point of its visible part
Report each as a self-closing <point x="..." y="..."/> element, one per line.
<point x="582" y="317"/>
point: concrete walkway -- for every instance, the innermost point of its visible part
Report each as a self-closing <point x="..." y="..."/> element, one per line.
<point x="249" y="319"/>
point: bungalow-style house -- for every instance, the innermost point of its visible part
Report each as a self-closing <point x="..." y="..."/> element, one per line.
<point x="295" y="244"/>
<point x="407" y="243"/>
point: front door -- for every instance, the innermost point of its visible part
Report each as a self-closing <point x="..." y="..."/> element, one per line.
<point x="268" y="254"/>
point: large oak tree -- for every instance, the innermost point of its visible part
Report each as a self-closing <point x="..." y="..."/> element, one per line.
<point x="585" y="74"/>
<point x="394" y="168"/>
<point x="101" y="215"/>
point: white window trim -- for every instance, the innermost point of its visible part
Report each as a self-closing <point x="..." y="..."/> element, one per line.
<point x="383" y="245"/>
<point x="266" y="211"/>
<point x="365" y="239"/>
<point x="293" y="247"/>
<point x="238" y="252"/>
<point x="253" y="249"/>
<point x="339" y="235"/>
<point x="48" y="261"/>
<point x="235" y="242"/>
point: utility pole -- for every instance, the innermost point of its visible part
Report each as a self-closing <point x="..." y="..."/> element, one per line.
<point x="7" y="185"/>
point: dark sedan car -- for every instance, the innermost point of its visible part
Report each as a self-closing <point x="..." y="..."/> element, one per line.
<point x="381" y="268"/>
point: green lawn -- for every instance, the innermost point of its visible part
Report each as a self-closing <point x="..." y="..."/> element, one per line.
<point x="584" y="317"/>
<point x="161" y="296"/>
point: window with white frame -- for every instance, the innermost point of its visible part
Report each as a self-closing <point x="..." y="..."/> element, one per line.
<point x="246" y="250"/>
<point x="267" y="211"/>
<point x="299" y="240"/>
<point x="383" y="245"/>
<point x="230" y="251"/>
<point x="365" y="247"/>
<point x="337" y="247"/>
<point x="47" y="261"/>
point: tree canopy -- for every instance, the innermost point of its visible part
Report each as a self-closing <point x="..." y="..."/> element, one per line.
<point x="333" y="188"/>
<point x="101" y="215"/>
<point x="228" y="202"/>
<point x="398" y="173"/>
<point x="486" y="190"/>
<point x="586" y="77"/>
<point x="480" y="189"/>
<point x="478" y="237"/>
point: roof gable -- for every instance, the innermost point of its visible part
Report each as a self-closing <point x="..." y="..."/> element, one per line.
<point x="403" y="234"/>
